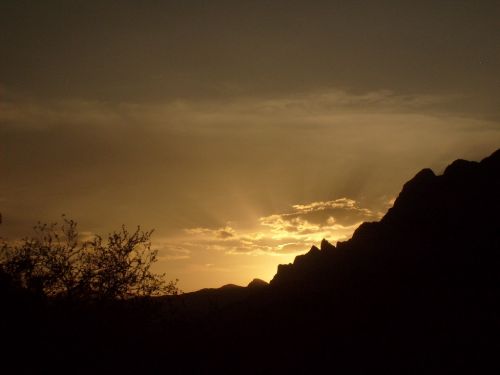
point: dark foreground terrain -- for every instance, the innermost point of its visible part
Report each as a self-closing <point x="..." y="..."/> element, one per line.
<point x="416" y="292"/>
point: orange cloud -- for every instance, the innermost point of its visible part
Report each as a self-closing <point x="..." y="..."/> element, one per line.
<point x="290" y="232"/>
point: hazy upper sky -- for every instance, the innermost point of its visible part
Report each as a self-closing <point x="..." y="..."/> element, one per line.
<point x="242" y="131"/>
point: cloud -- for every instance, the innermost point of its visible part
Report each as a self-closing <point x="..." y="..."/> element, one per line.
<point x="337" y="215"/>
<point x="319" y="206"/>
<point x="289" y="232"/>
<point x="220" y="233"/>
<point x="208" y="115"/>
<point x="224" y="233"/>
<point x="171" y="251"/>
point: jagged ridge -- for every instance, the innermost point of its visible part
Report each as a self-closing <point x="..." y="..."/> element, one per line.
<point x="447" y="217"/>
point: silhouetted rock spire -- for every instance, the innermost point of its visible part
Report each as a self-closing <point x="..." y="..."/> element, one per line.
<point x="326" y="246"/>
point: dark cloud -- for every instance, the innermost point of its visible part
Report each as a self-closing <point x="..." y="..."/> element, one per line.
<point x="224" y="234"/>
<point x="156" y="50"/>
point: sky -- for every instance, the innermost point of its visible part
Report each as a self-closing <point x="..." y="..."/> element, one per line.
<point x="242" y="132"/>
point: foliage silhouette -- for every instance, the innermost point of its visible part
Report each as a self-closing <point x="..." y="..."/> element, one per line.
<point x="55" y="262"/>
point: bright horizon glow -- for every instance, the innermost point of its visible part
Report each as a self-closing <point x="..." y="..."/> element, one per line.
<point x="276" y="239"/>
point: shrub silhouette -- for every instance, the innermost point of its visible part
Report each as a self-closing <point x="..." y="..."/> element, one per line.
<point x="56" y="262"/>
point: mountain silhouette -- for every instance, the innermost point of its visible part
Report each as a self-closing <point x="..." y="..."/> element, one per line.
<point x="257" y="283"/>
<point x="439" y="226"/>
<point x="416" y="292"/>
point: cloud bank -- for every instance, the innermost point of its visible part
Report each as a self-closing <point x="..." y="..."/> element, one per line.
<point x="290" y="232"/>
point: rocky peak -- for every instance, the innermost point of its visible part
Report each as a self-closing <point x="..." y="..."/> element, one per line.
<point x="429" y="217"/>
<point x="257" y="283"/>
<point x="326" y="246"/>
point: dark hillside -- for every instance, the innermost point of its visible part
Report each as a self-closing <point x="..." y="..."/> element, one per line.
<point x="416" y="292"/>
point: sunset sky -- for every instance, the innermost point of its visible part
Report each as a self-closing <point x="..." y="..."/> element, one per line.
<point x="242" y="131"/>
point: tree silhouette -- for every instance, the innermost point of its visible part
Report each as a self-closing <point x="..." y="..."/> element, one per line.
<point x="56" y="262"/>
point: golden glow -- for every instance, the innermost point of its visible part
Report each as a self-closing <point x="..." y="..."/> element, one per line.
<point x="231" y="254"/>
